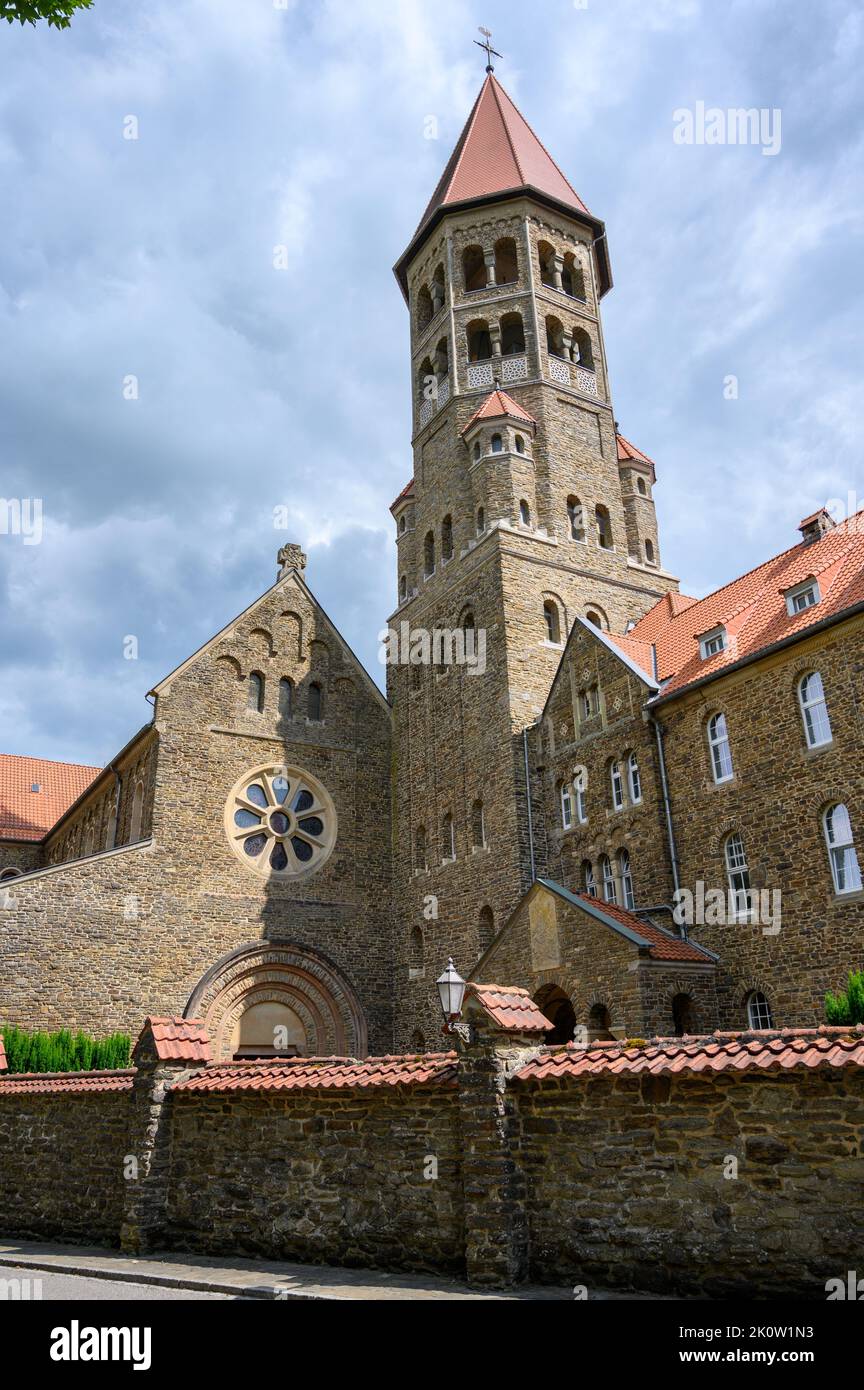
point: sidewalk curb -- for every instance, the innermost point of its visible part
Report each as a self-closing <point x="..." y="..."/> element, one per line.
<point x="271" y="1294"/>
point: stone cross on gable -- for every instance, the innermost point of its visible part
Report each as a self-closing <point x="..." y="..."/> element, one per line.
<point x="290" y="557"/>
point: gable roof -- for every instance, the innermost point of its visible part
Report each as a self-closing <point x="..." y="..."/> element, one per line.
<point x="29" y="815"/>
<point x="641" y="931"/>
<point x="635" y="655"/>
<point x="498" y="154"/>
<point x="628" y="453"/>
<point x="407" y="491"/>
<point x="753" y="609"/>
<point x="498" y="405"/>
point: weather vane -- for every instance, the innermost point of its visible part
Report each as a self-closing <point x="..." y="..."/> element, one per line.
<point x="487" y="45"/>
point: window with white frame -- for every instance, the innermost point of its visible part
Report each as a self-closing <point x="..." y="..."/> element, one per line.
<point x="758" y="1011"/>
<point x="721" y="753"/>
<point x="566" y="805"/>
<point x="710" y="643"/>
<point x="634" y="779"/>
<point x="814" y="710"/>
<point x="617" y="786"/>
<point x="588" y="878"/>
<point x="610" y="889"/>
<point x="738" y="875"/>
<point x="626" y="877"/>
<point x="802" y="597"/>
<point x="841" y="850"/>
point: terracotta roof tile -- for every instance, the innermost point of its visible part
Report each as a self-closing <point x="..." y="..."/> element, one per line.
<point x="28" y="815"/>
<point x="638" y="651"/>
<point x="407" y="491"/>
<point x="753" y="607"/>
<point x="497" y="405"/>
<point x="57" y="1083"/>
<point x="178" y="1039"/>
<point x="498" y="152"/>
<point x="510" y="1007"/>
<point x="628" y="451"/>
<point x="326" y="1073"/>
<point x="716" y="1052"/>
<point x="663" y="944"/>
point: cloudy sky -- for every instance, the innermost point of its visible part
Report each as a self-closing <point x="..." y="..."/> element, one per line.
<point x="302" y="125"/>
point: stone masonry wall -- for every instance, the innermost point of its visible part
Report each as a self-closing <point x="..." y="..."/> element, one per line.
<point x="626" y="1181"/>
<point x="61" y="1165"/>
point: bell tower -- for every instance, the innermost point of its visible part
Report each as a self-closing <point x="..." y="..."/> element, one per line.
<point x="526" y="507"/>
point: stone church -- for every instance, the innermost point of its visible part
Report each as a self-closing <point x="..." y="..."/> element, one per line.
<point x="640" y="806"/>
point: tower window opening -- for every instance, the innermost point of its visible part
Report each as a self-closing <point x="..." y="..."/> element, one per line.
<point x="576" y="518"/>
<point x="604" y="527"/>
<point x="649" y="552"/>
<point x="572" y="278"/>
<point x="429" y="555"/>
<point x="479" y="341"/>
<point x="553" y="625"/>
<point x="582" y="351"/>
<point x="474" y="268"/>
<point x="524" y="513"/>
<point x="512" y="335"/>
<point x="447" y="538"/>
<point x="546" y="258"/>
<point x="506" y="263"/>
<point x="554" y="338"/>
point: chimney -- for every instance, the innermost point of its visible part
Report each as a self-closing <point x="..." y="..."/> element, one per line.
<point x="290" y="558"/>
<point x="814" y="527"/>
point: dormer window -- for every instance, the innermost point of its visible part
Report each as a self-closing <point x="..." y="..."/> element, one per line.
<point x="801" y="597"/>
<point x="710" y="643"/>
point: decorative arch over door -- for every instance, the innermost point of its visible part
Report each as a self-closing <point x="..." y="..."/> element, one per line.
<point x="301" y="985"/>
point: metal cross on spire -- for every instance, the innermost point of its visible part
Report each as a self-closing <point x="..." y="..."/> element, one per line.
<point x="487" y="45"/>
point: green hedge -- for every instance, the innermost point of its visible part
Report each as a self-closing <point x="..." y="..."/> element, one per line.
<point x="847" y="1006"/>
<point x="63" y="1051"/>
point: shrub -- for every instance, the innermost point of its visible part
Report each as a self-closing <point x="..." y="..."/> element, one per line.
<point x="847" y="1006"/>
<point x="63" y="1050"/>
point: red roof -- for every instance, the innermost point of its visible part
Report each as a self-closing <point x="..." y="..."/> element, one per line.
<point x="407" y="491"/>
<point x="664" y="945"/>
<point x="28" y="815"/>
<point x="764" y="1051"/>
<point x="177" y="1039"/>
<point x="326" y="1073"/>
<point x="753" y="608"/>
<point x="510" y="1007"/>
<point x="498" y="152"/>
<point x="55" y="1083"/>
<point x="629" y="452"/>
<point x="496" y="405"/>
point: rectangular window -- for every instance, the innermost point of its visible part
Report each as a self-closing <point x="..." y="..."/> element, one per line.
<point x="802" y="597"/>
<point x="710" y="643"/>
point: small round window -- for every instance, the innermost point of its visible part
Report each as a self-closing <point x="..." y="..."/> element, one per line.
<point x="280" y="822"/>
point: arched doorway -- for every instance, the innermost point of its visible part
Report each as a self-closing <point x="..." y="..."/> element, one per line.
<point x="683" y="1015"/>
<point x="555" y="1004"/>
<point x="284" y="1000"/>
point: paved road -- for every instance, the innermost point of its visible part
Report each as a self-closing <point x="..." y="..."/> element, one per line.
<point x="76" y="1288"/>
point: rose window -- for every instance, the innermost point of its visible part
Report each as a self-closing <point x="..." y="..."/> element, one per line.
<point x="280" y="822"/>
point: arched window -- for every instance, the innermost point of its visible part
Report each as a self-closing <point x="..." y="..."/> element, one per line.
<point x="582" y="350"/>
<point x="814" y="710"/>
<point x="546" y="258"/>
<point x="758" y="1011"/>
<point x="137" y="813"/>
<point x="486" y="928"/>
<point x="89" y="841"/>
<point x="478" y="826"/>
<point x="554" y="337"/>
<point x="600" y="1024"/>
<point x="447" y="538"/>
<point x="617" y="786"/>
<point x="841" y="850"/>
<point x="682" y="1016"/>
<point x="403" y="589"/>
<point x="438" y="289"/>
<point x="429" y="555"/>
<point x="418" y="1042"/>
<point x="474" y="268"/>
<point x="566" y="798"/>
<point x="721" y="753"/>
<point x="581" y="801"/>
<point x="316" y="702"/>
<point x="524" y="513"/>
<point x="448" y="838"/>
<point x="479" y="341"/>
<point x="594" y="618"/>
<point x="626" y="877"/>
<point x="634" y="779"/>
<point x="738" y="875"/>
<point x="424" y="307"/>
<point x="6" y="874"/>
<point x="512" y="335"/>
<point x="420" y="848"/>
<point x="481" y="521"/>
<point x="427" y="381"/>
<point x="506" y="265"/>
<point x="468" y="623"/>
<point x="477" y="452"/>
<point x="415" y="951"/>
<point x="610" y="890"/>
<point x="519" y="443"/>
<point x="588" y="878"/>
<point x="604" y="527"/>
<point x="255" y="697"/>
<point x="576" y="517"/>
<point x="649" y="552"/>
<point x="403" y="524"/>
<point x="553" y="625"/>
<point x="286" y="698"/>
<point x="572" y="279"/>
<point x="497" y="444"/>
<point x="640" y="484"/>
